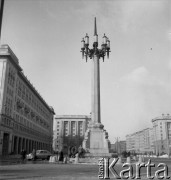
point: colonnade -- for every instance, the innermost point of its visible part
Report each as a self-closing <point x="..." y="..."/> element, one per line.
<point x="19" y="143"/>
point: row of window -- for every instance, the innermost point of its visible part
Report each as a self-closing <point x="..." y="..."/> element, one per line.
<point x="8" y="106"/>
<point x="27" y="95"/>
<point x="22" y="89"/>
<point x="11" y="77"/>
<point x="34" y="131"/>
<point x="25" y="120"/>
<point x="9" y="91"/>
<point x="25" y="111"/>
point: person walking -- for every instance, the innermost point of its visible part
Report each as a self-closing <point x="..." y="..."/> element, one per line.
<point x="23" y="155"/>
<point x="80" y="151"/>
<point x="61" y="156"/>
<point x="34" y="154"/>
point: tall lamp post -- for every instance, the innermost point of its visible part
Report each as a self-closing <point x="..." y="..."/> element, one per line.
<point x="96" y="138"/>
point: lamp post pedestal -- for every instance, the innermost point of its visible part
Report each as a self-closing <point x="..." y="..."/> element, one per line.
<point x="96" y="140"/>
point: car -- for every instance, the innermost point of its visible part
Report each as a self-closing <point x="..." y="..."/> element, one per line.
<point x="40" y="154"/>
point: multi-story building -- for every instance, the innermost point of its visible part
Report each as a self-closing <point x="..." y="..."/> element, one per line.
<point x="141" y="141"/>
<point x="26" y="120"/>
<point x="130" y="142"/>
<point x="69" y="130"/>
<point x="119" y="147"/>
<point x="162" y="134"/>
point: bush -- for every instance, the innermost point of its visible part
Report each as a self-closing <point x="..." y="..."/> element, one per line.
<point x="114" y="155"/>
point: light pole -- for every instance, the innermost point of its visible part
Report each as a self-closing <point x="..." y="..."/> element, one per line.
<point x="95" y="128"/>
<point x="96" y="54"/>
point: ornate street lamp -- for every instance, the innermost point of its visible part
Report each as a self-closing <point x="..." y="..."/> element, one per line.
<point x="105" y="47"/>
<point x="96" y="137"/>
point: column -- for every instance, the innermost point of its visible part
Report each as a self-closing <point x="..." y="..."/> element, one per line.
<point x="95" y="90"/>
<point x="69" y="127"/>
<point x="12" y="145"/>
<point x="30" y="148"/>
<point x="16" y="145"/>
<point x="19" y="145"/>
<point x="23" y="143"/>
<point x="76" y="127"/>
<point x="27" y="147"/>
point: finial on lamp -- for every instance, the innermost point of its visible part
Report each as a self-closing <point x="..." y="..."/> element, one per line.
<point x="95" y="27"/>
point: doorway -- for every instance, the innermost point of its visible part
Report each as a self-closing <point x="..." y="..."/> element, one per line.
<point x="5" y="144"/>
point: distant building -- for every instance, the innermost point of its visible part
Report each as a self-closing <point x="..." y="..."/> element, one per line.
<point x="26" y="120"/>
<point x="69" y="130"/>
<point x="118" y="146"/>
<point x="130" y="142"/>
<point x="141" y="141"/>
<point x="162" y="134"/>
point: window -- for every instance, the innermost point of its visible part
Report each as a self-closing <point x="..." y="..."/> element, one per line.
<point x="73" y="126"/>
<point x="65" y="128"/>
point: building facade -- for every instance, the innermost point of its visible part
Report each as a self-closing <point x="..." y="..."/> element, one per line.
<point x="141" y="141"/>
<point x="119" y="147"/>
<point x="162" y="134"/>
<point x="26" y="121"/>
<point x="69" y="131"/>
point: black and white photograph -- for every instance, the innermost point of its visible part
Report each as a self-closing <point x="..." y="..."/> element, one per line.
<point x="85" y="89"/>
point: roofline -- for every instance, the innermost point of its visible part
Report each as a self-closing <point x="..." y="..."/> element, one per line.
<point x="164" y="118"/>
<point x="138" y="132"/>
<point x="72" y="117"/>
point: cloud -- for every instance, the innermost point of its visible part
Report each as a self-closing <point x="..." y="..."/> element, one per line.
<point x="142" y="96"/>
<point x="139" y="75"/>
<point x="169" y="65"/>
<point x="142" y="78"/>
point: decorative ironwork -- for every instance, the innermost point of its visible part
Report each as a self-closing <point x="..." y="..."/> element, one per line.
<point x="101" y="53"/>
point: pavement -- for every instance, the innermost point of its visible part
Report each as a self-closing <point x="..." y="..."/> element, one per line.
<point x="46" y="171"/>
<point x="11" y="167"/>
<point x="10" y="159"/>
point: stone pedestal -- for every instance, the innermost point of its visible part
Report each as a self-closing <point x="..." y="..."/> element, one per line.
<point x="96" y="140"/>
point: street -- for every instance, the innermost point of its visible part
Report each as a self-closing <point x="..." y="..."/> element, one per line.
<point x="43" y="170"/>
<point x="48" y="171"/>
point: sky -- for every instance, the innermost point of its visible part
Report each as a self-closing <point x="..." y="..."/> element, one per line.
<point x="136" y="79"/>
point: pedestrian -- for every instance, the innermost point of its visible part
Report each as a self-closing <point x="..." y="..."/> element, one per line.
<point x="69" y="151"/>
<point x="23" y="155"/>
<point x="80" y="151"/>
<point x="34" y="154"/>
<point x="61" y="156"/>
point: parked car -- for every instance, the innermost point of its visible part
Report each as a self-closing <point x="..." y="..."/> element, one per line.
<point x="40" y="154"/>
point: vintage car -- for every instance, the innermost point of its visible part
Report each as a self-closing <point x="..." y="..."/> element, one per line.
<point x="40" y="154"/>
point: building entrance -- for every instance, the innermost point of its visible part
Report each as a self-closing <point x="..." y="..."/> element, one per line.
<point x="5" y="144"/>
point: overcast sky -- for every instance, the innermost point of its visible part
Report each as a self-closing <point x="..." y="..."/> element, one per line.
<point x="135" y="80"/>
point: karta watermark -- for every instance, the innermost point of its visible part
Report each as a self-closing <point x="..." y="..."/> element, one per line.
<point x="129" y="172"/>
